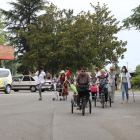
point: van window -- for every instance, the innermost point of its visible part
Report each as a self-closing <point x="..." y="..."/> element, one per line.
<point x="4" y="73"/>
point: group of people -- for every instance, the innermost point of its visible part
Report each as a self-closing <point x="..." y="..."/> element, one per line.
<point x="83" y="80"/>
<point x="63" y="78"/>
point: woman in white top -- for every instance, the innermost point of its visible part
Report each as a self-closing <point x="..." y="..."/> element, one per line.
<point x="125" y="83"/>
<point x="41" y="79"/>
<point x="97" y="72"/>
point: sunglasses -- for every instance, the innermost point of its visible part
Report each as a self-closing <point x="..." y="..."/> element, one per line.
<point x="83" y="71"/>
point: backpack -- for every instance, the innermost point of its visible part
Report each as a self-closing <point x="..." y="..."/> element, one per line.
<point x="103" y="82"/>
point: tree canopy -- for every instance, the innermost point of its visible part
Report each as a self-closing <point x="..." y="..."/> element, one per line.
<point x="2" y="38"/>
<point x="60" y="40"/>
<point x="133" y="21"/>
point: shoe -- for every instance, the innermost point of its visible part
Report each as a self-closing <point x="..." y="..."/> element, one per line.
<point x="86" y="105"/>
<point x="122" y="102"/>
<point x="127" y="101"/>
<point x="40" y="98"/>
<point x="106" y="104"/>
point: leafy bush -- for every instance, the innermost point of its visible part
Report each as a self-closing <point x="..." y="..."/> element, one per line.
<point x="136" y="79"/>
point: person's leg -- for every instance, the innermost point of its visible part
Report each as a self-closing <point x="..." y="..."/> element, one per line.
<point x="67" y="89"/>
<point x="87" y="96"/>
<point x="39" y="88"/>
<point x="93" y="94"/>
<point x="78" y="100"/>
<point x="112" y="92"/>
<point x="54" y="86"/>
<point x="123" y="88"/>
<point x="126" y="90"/>
<point x="106" y="94"/>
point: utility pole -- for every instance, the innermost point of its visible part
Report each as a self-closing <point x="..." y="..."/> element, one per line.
<point x="127" y="65"/>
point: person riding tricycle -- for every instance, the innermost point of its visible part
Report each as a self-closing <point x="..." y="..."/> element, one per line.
<point x="82" y="84"/>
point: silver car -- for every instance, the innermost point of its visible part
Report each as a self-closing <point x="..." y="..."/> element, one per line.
<point x="27" y="82"/>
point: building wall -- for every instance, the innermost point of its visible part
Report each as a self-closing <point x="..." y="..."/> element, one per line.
<point x="6" y="52"/>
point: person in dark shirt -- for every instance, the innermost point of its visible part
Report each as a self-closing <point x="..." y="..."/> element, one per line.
<point x="102" y="79"/>
<point x="82" y="83"/>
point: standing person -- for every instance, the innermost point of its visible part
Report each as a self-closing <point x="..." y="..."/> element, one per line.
<point x="63" y="84"/>
<point x="97" y="72"/>
<point x="106" y="72"/>
<point x="113" y="77"/>
<point x="125" y="83"/>
<point x="93" y="81"/>
<point x="75" y="76"/>
<point x="41" y="79"/>
<point x="67" y="73"/>
<point x="68" y="77"/>
<point x="54" y="80"/>
<point x="93" y="78"/>
<point x="52" y="86"/>
<point x="102" y="79"/>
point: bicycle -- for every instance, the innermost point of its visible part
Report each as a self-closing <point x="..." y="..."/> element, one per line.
<point x="102" y="98"/>
<point x="82" y="105"/>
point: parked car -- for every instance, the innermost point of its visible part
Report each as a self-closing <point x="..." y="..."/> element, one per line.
<point x="27" y="82"/>
<point x="5" y="80"/>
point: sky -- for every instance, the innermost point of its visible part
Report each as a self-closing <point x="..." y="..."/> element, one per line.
<point x="121" y="9"/>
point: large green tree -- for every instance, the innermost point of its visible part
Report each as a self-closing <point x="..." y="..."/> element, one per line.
<point x="133" y="21"/>
<point x="2" y="38"/>
<point x="85" y="40"/>
<point x="23" y="13"/>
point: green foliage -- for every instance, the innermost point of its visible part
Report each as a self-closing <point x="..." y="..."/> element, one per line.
<point x="23" y="13"/>
<point x="61" y="39"/>
<point x="136" y="81"/>
<point x="133" y="20"/>
<point x="2" y="38"/>
<point x="138" y="68"/>
<point x="117" y="69"/>
<point x="136" y="78"/>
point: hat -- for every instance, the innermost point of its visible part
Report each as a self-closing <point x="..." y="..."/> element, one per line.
<point x="82" y="68"/>
<point x="62" y="71"/>
<point x="111" y="68"/>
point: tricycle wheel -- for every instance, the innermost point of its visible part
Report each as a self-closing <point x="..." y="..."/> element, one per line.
<point x="72" y="106"/>
<point x="90" y="106"/>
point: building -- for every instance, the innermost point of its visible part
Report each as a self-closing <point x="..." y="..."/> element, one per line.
<point x="6" y="52"/>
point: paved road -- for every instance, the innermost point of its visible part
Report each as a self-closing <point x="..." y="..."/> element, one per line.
<point x="24" y="117"/>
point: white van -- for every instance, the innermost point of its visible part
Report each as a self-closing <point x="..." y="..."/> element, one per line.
<point x="5" y="80"/>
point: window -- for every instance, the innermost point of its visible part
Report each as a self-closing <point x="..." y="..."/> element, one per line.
<point x="32" y="79"/>
<point x="4" y="73"/>
<point x="26" y="78"/>
<point x="18" y="79"/>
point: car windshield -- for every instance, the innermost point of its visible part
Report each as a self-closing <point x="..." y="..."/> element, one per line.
<point x="4" y="73"/>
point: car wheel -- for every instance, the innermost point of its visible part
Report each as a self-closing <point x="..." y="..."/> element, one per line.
<point x="16" y="90"/>
<point x="8" y="89"/>
<point x="33" y="89"/>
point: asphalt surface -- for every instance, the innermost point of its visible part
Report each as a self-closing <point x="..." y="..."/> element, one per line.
<point x="24" y="117"/>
